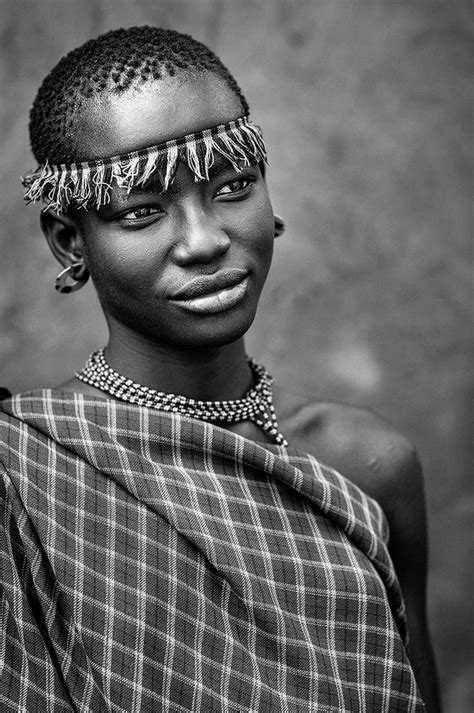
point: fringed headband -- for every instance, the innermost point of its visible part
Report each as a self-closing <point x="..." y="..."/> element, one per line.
<point x="88" y="184"/>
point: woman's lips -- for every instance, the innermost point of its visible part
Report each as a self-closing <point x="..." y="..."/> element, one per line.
<point x="205" y="284"/>
<point x="209" y="294"/>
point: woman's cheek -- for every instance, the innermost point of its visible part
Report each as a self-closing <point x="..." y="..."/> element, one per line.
<point x="128" y="262"/>
<point x="258" y="227"/>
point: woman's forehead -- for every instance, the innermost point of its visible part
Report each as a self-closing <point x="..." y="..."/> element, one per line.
<point x="154" y="113"/>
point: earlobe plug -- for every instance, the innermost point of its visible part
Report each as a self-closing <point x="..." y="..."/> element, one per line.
<point x="279" y="226"/>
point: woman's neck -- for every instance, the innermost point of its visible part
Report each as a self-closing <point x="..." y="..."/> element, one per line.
<point x="216" y="374"/>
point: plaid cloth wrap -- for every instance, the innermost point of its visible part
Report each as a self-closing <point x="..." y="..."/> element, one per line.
<point x="155" y="563"/>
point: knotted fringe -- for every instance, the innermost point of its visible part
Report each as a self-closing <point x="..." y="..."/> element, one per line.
<point x="89" y="184"/>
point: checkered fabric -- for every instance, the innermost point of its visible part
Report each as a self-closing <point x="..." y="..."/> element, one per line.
<point x="156" y="563"/>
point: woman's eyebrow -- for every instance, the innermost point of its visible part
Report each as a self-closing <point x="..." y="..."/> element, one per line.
<point x="220" y="167"/>
<point x="155" y="185"/>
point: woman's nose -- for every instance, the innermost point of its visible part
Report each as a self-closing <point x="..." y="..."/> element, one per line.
<point x="200" y="239"/>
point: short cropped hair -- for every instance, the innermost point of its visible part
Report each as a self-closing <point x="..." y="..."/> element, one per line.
<point x="112" y="63"/>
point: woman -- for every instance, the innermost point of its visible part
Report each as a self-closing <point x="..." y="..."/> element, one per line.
<point x="163" y="548"/>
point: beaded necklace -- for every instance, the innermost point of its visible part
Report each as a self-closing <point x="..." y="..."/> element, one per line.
<point x="256" y="405"/>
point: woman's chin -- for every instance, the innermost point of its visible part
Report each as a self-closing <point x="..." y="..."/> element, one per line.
<point x="183" y="328"/>
<point x="223" y="328"/>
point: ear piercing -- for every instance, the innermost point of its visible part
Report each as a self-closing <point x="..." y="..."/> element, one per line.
<point x="72" y="278"/>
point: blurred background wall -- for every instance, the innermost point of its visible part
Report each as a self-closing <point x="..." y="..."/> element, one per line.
<point x="366" y="109"/>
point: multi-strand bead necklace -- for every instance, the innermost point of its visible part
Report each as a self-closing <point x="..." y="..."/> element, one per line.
<point x="256" y="405"/>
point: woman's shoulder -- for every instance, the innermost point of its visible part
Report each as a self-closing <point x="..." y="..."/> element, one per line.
<point x="70" y="385"/>
<point x="353" y="440"/>
<point x="77" y="386"/>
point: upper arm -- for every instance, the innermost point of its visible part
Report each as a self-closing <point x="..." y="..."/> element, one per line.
<point x="385" y="466"/>
<point x="403" y="501"/>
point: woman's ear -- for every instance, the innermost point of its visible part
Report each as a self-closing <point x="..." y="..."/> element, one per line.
<point x="64" y="237"/>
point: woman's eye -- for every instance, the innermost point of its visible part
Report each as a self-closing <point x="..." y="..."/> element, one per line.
<point x="140" y="214"/>
<point x="236" y="187"/>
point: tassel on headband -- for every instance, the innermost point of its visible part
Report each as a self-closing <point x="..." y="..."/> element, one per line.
<point x="89" y="183"/>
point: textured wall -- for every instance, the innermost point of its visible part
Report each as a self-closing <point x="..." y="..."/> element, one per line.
<point x="365" y="106"/>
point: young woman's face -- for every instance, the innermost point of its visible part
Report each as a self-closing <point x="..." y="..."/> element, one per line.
<point x="184" y="267"/>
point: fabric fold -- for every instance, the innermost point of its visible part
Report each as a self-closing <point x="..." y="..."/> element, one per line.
<point x="196" y="568"/>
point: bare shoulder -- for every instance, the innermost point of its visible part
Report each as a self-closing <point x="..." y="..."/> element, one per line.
<point x="357" y="443"/>
<point x="79" y="387"/>
<point x="385" y="465"/>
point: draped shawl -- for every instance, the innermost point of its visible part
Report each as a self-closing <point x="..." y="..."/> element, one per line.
<point x="151" y="562"/>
